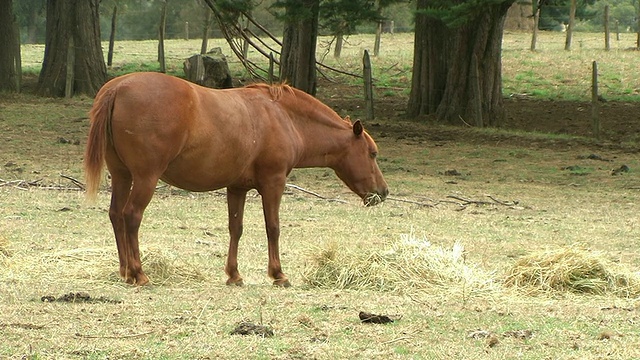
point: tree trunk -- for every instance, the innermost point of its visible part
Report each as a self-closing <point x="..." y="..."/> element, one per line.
<point x="572" y="20"/>
<point x="298" y="57"/>
<point x="429" y="64"/>
<point x="536" y="21"/>
<point x="337" y="51"/>
<point x="78" y="20"/>
<point x="447" y="82"/>
<point x="10" y="54"/>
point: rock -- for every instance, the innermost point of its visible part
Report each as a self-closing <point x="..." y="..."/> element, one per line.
<point x="210" y="70"/>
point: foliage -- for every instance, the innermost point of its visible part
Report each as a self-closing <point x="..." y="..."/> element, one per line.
<point x="621" y="12"/>
<point x="555" y="13"/>
<point x="457" y="13"/>
<point x="342" y="16"/>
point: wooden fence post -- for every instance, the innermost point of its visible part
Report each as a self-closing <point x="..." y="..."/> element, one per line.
<point x="271" y="62"/>
<point x="376" y="44"/>
<point x="163" y="21"/>
<point x="337" y="50"/>
<point x="638" y="27"/>
<point x="368" y="85"/>
<point x="606" y="28"/>
<point x="244" y="23"/>
<point x="595" y="106"/>
<point x="112" y="36"/>
<point x="205" y="33"/>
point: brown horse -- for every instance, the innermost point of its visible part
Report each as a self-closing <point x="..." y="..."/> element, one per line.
<point x="150" y="126"/>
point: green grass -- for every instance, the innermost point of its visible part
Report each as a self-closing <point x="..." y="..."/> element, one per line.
<point x="548" y="73"/>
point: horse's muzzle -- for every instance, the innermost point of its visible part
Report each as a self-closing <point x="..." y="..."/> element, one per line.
<point x="372" y="199"/>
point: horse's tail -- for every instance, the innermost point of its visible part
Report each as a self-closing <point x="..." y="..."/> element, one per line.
<point x="99" y="135"/>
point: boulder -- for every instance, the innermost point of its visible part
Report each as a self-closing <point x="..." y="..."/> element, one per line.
<point x="210" y="70"/>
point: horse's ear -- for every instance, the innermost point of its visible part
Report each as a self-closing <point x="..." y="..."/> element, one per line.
<point x="347" y="119"/>
<point x="358" y="128"/>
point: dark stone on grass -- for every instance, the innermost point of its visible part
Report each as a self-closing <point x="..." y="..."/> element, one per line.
<point x="366" y="317"/>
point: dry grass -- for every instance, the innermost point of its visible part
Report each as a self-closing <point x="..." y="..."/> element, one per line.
<point x="408" y="265"/>
<point x="573" y="270"/>
<point x="53" y="243"/>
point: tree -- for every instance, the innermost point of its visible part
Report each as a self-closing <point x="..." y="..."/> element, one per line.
<point x="10" y="54"/>
<point x="554" y="14"/>
<point x="298" y="55"/>
<point x="457" y="61"/>
<point x="341" y="17"/>
<point x="30" y="15"/>
<point x="73" y="53"/>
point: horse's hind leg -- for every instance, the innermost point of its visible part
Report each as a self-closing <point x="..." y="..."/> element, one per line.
<point x="127" y="205"/>
<point x="121" y="186"/>
<point x="140" y="196"/>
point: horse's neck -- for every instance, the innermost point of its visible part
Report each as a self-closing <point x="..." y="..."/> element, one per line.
<point x="322" y="144"/>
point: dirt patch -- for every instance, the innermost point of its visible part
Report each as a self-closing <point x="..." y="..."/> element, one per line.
<point x="248" y="328"/>
<point x="619" y="121"/>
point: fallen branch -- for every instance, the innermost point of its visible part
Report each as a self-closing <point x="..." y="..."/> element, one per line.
<point x="25" y="185"/>
<point x="461" y="202"/>
<point x="113" y="336"/>
<point x="74" y="181"/>
<point x="502" y="202"/>
<point x="296" y="187"/>
<point x="466" y="202"/>
<point x="411" y="202"/>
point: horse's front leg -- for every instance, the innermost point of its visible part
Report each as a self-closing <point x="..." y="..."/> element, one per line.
<point x="235" y="203"/>
<point x="271" y="197"/>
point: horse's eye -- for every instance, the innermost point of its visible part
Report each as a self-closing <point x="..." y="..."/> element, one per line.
<point x="374" y="154"/>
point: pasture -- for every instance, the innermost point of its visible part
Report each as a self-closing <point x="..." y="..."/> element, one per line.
<point x="446" y="257"/>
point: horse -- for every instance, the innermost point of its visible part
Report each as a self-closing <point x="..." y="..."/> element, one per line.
<point x="150" y="126"/>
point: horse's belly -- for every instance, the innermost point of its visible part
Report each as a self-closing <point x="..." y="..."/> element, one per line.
<point x="205" y="178"/>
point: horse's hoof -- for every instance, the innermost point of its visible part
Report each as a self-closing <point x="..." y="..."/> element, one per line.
<point x="142" y="279"/>
<point x="235" y="282"/>
<point x="282" y="283"/>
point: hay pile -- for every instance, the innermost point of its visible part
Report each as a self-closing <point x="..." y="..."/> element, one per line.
<point x="100" y="264"/>
<point x="408" y="264"/>
<point x="572" y="270"/>
<point x="163" y="266"/>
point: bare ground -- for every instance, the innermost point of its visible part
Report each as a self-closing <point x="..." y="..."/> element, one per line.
<point x="620" y="122"/>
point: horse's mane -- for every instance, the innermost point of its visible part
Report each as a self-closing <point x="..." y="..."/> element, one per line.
<point x="275" y="90"/>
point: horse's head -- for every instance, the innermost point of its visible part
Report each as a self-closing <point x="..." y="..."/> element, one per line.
<point x="358" y="168"/>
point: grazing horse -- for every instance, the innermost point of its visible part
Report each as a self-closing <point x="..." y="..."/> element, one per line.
<point x="151" y="126"/>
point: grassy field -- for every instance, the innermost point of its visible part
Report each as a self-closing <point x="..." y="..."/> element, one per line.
<point x="469" y="209"/>
<point x="548" y="73"/>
